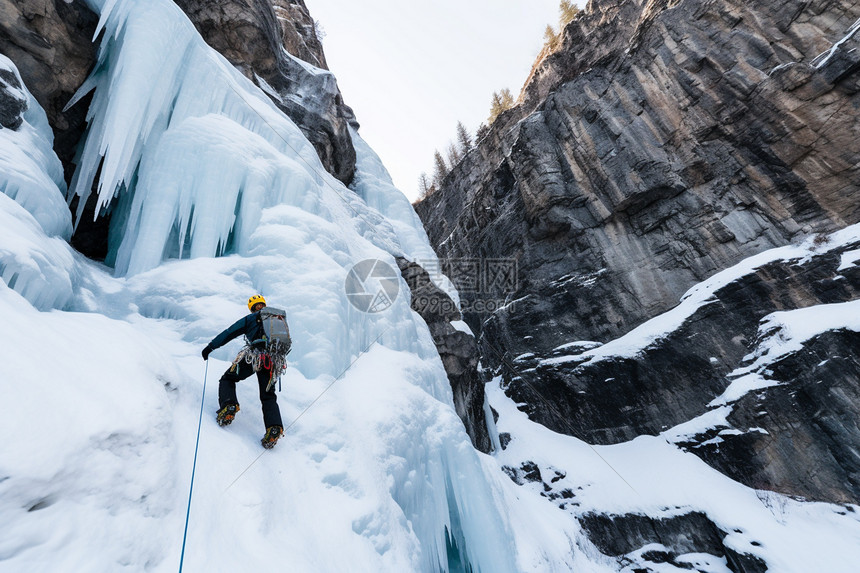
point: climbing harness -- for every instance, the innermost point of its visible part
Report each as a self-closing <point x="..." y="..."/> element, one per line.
<point x="260" y="359"/>
<point x="269" y="358"/>
<point x="270" y="352"/>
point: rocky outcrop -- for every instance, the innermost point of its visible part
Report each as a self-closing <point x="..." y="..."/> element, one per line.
<point x="50" y="42"/>
<point x="628" y="537"/>
<point x="797" y="437"/>
<point x="457" y="349"/>
<point x="13" y="101"/>
<point x="664" y="142"/>
<point x="673" y="379"/>
<point x="265" y="40"/>
<point x="299" y="32"/>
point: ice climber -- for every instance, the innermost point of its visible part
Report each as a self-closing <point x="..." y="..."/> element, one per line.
<point x="260" y="356"/>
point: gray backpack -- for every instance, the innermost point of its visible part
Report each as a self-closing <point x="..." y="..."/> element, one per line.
<point x="278" y="341"/>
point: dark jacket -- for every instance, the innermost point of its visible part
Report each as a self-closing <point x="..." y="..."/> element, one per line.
<point x="251" y="326"/>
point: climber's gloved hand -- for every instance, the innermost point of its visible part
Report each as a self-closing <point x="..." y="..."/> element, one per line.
<point x="206" y="352"/>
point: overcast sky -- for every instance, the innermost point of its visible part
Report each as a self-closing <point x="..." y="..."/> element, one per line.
<point x="412" y="68"/>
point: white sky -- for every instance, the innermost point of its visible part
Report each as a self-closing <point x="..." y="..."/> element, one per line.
<point x="412" y="68"/>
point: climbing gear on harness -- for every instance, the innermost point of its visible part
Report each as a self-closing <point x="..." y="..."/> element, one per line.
<point x="226" y="414"/>
<point x="270" y="352"/>
<point x="271" y="437"/>
<point x="254" y="300"/>
<point x="251" y="355"/>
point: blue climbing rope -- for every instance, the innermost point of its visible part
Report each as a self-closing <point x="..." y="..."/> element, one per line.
<point x="194" y="468"/>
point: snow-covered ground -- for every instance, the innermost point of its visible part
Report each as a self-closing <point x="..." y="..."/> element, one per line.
<point x="217" y="196"/>
<point x="651" y="476"/>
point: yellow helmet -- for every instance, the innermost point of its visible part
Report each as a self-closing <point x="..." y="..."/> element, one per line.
<point x="254" y="300"/>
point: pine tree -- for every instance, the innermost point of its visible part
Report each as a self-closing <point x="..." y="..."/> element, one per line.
<point x="319" y="31"/>
<point x="464" y="138"/>
<point x="495" y="107"/>
<point x="567" y="12"/>
<point x="453" y="154"/>
<point x="423" y="185"/>
<point x="440" y="168"/>
<point x="551" y="38"/>
<point x="482" y="132"/>
<point x="502" y="101"/>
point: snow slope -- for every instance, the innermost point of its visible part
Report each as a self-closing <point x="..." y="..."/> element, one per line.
<point x="95" y="475"/>
<point x="651" y="476"/>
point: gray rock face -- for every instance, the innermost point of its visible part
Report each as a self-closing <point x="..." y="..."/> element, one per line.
<point x="664" y="142"/>
<point x="256" y="36"/>
<point x="50" y="42"/>
<point x="621" y="535"/>
<point x="298" y="32"/>
<point x="800" y="437"/>
<point x="13" y="102"/>
<point x="458" y="350"/>
<point x="674" y="379"/>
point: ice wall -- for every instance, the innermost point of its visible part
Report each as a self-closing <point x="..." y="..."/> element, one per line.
<point x="215" y="195"/>
<point x="35" y="259"/>
<point x="159" y="91"/>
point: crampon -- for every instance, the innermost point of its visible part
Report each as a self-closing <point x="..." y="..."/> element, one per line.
<point x="226" y="414"/>
<point x="271" y="437"/>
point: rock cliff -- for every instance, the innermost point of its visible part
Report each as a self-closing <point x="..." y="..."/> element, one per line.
<point x="811" y="396"/>
<point x="269" y="41"/>
<point x="51" y="42"/>
<point x="457" y="349"/>
<point x="13" y="101"/>
<point x="664" y="142"/>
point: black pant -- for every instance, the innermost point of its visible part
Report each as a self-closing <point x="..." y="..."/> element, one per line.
<point x="269" y="400"/>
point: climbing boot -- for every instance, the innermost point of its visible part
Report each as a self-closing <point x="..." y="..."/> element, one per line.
<point x="271" y="437"/>
<point x="226" y="414"/>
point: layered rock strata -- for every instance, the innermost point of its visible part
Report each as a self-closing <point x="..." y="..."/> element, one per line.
<point x="801" y="435"/>
<point x="269" y="42"/>
<point x="457" y="349"/>
<point x="666" y="141"/>
<point x="798" y="436"/>
<point x="692" y="533"/>
<point x="663" y="142"/>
